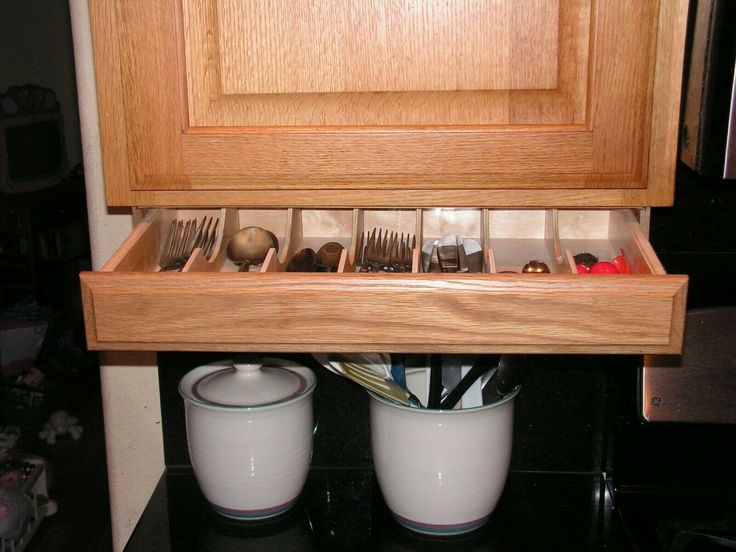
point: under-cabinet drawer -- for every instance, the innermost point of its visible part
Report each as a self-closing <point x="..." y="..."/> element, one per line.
<point x="487" y="304"/>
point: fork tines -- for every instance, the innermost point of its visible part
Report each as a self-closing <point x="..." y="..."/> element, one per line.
<point x="386" y="252"/>
<point x="183" y="238"/>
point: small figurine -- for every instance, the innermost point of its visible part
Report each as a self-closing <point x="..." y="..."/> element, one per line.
<point x="60" y="423"/>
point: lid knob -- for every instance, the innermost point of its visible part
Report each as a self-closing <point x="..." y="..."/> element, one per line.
<point x="248" y="364"/>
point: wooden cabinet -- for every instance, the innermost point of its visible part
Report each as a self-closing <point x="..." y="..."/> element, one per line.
<point x="567" y="108"/>
<point x="377" y="103"/>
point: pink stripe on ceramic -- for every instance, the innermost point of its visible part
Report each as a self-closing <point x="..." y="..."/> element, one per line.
<point x="441" y="471"/>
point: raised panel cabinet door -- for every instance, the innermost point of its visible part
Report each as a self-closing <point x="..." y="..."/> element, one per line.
<point x="389" y="102"/>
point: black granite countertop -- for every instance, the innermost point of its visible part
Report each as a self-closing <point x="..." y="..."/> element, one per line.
<point x="342" y="509"/>
<point x="579" y="446"/>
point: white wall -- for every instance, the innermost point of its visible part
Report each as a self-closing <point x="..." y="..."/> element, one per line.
<point x="36" y="48"/>
<point x="131" y="405"/>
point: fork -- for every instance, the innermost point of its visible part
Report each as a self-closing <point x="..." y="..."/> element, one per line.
<point x="386" y="252"/>
<point x="398" y="252"/>
<point x="169" y="252"/>
<point x="184" y="238"/>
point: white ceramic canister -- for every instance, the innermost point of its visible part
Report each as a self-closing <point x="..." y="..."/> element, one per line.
<point x="441" y="472"/>
<point x="249" y="429"/>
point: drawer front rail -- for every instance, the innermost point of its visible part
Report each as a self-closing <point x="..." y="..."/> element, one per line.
<point x="550" y="313"/>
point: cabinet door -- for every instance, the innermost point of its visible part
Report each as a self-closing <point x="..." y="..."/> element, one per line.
<point x="379" y="103"/>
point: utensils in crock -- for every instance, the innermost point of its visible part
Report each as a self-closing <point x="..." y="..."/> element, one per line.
<point x="372" y="372"/>
<point x="483" y="364"/>
<point x="434" y="397"/>
<point x="249" y="430"/>
<point x="507" y="372"/>
<point x="512" y="371"/>
<point x="250" y="245"/>
<point x="441" y="472"/>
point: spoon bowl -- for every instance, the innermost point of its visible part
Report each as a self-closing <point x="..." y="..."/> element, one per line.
<point x="328" y="256"/>
<point x="304" y="260"/>
<point x="250" y="245"/>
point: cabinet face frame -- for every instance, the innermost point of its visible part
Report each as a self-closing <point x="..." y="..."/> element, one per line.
<point x="153" y="156"/>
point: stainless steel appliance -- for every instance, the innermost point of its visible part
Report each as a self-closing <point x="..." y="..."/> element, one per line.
<point x="700" y="385"/>
<point x="708" y="140"/>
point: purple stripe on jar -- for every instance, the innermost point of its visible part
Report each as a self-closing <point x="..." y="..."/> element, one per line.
<point x="253" y="514"/>
<point x="441" y="529"/>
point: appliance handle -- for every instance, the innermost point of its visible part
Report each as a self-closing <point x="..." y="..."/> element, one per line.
<point x="729" y="167"/>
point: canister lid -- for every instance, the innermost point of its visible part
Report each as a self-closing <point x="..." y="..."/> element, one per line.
<point x="248" y="382"/>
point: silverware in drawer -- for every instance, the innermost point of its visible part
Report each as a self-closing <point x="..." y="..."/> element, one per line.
<point x="209" y="305"/>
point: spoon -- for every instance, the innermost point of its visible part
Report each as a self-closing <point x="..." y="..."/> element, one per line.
<point x="250" y="245"/>
<point x="328" y="256"/>
<point x="304" y="260"/>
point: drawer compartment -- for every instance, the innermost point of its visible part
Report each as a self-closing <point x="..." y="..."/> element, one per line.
<point x="130" y="304"/>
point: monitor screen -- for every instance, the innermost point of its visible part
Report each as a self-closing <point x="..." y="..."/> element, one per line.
<point x="34" y="149"/>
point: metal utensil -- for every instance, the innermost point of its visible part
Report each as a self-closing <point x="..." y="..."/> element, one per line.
<point x="371" y="371"/>
<point x="183" y="238"/>
<point x="250" y="246"/>
<point x="452" y="366"/>
<point x="447" y="253"/>
<point x="452" y="253"/>
<point x="429" y="257"/>
<point x="304" y="260"/>
<point x="483" y="364"/>
<point x="387" y="252"/>
<point x="328" y="257"/>
<point x="168" y="254"/>
<point x="384" y="387"/>
<point x="462" y="261"/>
<point x="512" y="371"/>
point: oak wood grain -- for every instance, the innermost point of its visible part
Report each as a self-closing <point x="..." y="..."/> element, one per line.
<point x="607" y="122"/>
<point x="563" y="312"/>
<point x="501" y="312"/>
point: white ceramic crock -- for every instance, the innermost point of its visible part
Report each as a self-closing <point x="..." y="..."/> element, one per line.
<point x="441" y="472"/>
<point x="249" y="430"/>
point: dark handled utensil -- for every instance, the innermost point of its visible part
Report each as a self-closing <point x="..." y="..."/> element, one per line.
<point x="512" y="371"/>
<point x="435" y="382"/>
<point x="483" y="364"/>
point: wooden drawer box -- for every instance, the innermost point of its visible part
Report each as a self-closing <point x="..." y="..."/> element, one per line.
<point x="131" y="305"/>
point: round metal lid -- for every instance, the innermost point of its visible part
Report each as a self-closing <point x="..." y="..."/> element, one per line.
<point x="247" y="382"/>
